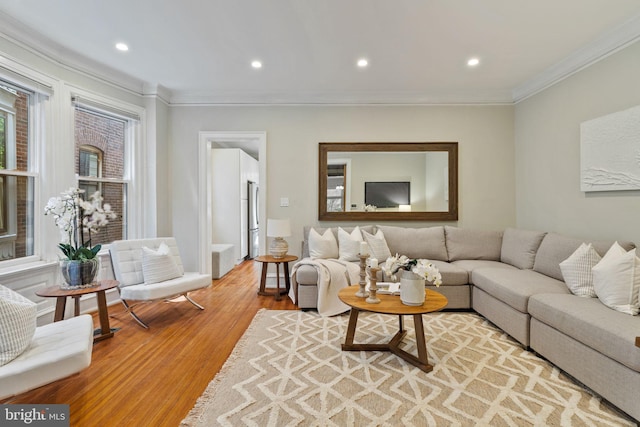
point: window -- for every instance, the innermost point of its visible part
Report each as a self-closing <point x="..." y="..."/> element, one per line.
<point x="101" y="141"/>
<point x="17" y="179"/>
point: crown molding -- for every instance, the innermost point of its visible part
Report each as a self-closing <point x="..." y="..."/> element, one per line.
<point x="32" y="41"/>
<point x="156" y="91"/>
<point x="609" y="43"/>
<point x="212" y="98"/>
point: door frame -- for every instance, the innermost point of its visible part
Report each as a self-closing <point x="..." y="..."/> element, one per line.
<point x="205" y="145"/>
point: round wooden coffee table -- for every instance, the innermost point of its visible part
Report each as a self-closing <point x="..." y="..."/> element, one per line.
<point x="391" y="304"/>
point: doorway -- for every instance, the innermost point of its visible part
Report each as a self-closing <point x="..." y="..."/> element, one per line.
<point x="208" y="140"/>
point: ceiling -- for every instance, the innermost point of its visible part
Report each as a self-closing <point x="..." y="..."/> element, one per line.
<point x="197" y="51"/>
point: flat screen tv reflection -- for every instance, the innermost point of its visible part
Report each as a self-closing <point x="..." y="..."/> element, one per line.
<point x="387" y="194"/>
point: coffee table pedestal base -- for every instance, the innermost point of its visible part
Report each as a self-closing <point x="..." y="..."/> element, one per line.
<point x="421" y="361"/>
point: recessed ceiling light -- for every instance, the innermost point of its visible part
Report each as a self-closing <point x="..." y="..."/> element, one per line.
<point x="473" y="62"/>
<point x="362" y="63"/>
<point x="256" y="64"/>
<point x="122" y="47"/>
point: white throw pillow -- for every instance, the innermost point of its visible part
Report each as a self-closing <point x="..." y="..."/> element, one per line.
<point x="349" y="244"/>
<point x="377" y="246"/>
<point x="616" y="279"/>
<point x="17" y="324"/>
<point x="158" y="265"/>
<point x="577" y="273"/>
<point x="324" y="246"/>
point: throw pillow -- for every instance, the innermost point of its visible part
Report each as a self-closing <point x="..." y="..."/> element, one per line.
<point x="324" y="246"/>
<point x="378" y="248"/>
<point x="519" y="247"/>
<point x="349" y="244"/>
<point x="616" y="279"/>
<point x="577" y="273"/>
<point x="158" y="265"/>
<point x="17" y="324"/>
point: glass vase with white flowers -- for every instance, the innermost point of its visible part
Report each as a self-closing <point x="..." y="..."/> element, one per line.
<point x="414" y="274"/>
<point x="77" y="219"/>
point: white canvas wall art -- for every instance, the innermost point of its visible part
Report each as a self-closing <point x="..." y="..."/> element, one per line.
<point x="610" y="152"/>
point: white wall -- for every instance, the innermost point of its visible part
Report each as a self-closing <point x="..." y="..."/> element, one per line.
<point x="547" y="150"/>
<point x="484" y="133"/>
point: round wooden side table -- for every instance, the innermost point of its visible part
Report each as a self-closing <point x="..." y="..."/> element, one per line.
<point x="268" y="259"/>
<point x="61" y="302"/>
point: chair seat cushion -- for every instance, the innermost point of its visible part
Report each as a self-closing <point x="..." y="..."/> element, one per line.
<point x="56" y="351"/>
<point x="185" y="283"/>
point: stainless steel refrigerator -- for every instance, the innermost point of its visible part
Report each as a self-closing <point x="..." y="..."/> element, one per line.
<point x="254" y="220"/>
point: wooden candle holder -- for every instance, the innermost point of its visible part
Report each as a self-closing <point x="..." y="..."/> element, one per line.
<point x="373" y="287"/>
<point x="362" y="292"/>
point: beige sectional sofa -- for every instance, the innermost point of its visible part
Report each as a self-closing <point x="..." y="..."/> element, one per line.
<point x="513" y="278"/>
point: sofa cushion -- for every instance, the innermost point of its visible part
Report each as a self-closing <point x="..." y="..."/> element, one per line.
<point x="472" y="244"/>
<point x="17" y="324"/>
<point x="427" y="243"/>
<point x="616" y="280"/>
<point x="555" y="248"/>
<point x="472" y="264"/>
<point x="589" y="321"/>
<point x="378" y="247"/>
<point x="576" y="270"/>
<point x="322" y="245"/>
<point x="452" y="275"/>
<point x="519" y="247"/>
<point x="514" y="287"/>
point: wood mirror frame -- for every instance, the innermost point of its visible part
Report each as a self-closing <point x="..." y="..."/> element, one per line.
<point x="329" y="147"/>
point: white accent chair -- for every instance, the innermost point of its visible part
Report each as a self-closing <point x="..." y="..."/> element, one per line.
<point x="57" y="350"/>
<point x="126" y="260"/>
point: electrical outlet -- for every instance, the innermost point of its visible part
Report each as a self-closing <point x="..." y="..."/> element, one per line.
<point x="284" y="202"/>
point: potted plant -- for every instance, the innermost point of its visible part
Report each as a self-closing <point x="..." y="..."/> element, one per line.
<point x="77" y="219"/>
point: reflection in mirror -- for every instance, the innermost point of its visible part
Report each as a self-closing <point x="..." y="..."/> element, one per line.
<point x="388" y="181"/>
<point x="335" y="187"/>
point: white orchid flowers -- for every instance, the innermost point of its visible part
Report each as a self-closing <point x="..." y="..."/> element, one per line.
<point x="74" y="217"/>
<point x="422" y="267"/>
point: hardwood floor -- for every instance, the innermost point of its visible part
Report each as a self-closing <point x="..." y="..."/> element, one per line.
<point x="154" y="377"/>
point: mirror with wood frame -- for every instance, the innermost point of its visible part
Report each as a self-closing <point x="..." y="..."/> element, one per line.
<point x="388" y="181"/>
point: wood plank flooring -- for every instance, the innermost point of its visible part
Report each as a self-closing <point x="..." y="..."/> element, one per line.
<point x="154" y="377"/>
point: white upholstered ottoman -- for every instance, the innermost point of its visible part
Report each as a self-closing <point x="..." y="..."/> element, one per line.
<point x="222" y="259"/>
<point x="57" y="350"/>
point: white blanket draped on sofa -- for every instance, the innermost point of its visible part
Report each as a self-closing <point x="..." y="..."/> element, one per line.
<point x="333" y="275"/>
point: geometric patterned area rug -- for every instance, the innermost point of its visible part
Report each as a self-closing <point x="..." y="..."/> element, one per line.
<point x="288" y="369"/>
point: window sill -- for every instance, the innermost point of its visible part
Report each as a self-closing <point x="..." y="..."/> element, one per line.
<point x="32" y="266"/>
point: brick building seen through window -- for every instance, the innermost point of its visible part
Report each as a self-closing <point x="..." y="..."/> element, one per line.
<point x="99" y="156"/>
<point x="16" y="204"/>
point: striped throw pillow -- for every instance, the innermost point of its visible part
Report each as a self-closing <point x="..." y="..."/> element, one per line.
<point x="17" y="324"/>
<point x="576" y="270"/>
<point x="158" y="265"/>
